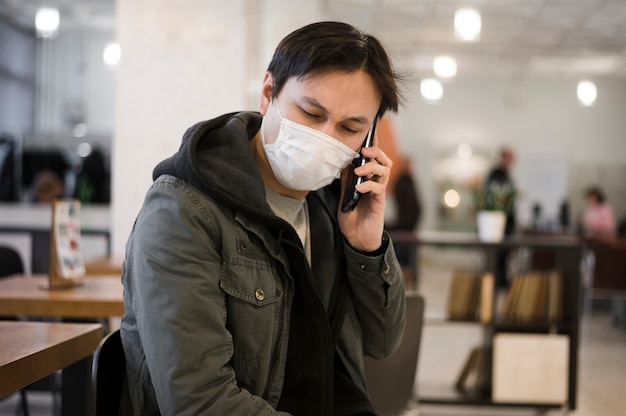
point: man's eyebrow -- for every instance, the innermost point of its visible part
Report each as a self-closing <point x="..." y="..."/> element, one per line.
<point x="315" y="103"/>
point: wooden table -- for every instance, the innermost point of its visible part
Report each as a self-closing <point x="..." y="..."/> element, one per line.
<point x="33" y="350"/>
<point x="104" y="265"/>
<point x="98" y="297"/>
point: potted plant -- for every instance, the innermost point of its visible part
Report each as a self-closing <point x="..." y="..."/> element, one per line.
<point x="492" y="204"/>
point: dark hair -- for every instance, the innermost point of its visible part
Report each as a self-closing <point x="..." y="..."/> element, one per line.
<point x="327" y="46"/>
<point x="596" y="192"/>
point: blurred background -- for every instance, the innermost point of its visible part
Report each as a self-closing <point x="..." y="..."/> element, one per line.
<point x="94" y="93"/>
<point x="126" y="79"/>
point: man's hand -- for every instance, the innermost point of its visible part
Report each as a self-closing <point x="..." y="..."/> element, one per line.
<point x="363" y="227"/>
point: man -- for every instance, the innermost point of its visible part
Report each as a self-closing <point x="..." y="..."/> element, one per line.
<point x="500" y="176"/>
<point x="248" y="291"/>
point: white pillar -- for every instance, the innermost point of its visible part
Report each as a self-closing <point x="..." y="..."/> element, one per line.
<point x="182" y="62"/>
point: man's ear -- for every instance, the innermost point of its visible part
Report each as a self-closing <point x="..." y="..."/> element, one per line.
<point x="266" y="92"/>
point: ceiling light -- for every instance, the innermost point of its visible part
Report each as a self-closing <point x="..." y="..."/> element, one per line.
<point x="587" y="93"/>
<point x="47" y="22"/>
<point x="431" y="89"/>
<point x="79" y="130"/>
<point x="444" y="67"/>
<point x="464" y="151"/>
<point x="112" y="54"/>
<point x="84" y="149"/>
<point x="467" y="25"/>
<point x="451" y="198"/>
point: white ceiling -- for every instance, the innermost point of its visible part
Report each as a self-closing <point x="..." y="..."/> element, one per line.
<point x="561" y="38"/>
<point x="519" y="37"/>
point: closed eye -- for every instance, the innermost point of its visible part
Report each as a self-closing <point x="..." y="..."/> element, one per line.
<point x="311" y="115"/>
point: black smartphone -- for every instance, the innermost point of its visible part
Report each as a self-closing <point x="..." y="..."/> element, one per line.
<point x="351" y="196"/>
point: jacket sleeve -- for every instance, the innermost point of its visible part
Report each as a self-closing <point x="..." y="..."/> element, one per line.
<point x="180" y="310"/>
<point x="377" y="285"/>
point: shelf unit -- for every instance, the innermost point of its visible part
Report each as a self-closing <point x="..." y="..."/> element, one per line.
<point x="566" y="252"/>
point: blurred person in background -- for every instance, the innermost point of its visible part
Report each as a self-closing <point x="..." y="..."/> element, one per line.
<point x="406" y="196"/>
<point x="598" y="220"/>
<point x="47" y="186"/>
<point x="408" y="209"/>
<point x="500" y="175"/>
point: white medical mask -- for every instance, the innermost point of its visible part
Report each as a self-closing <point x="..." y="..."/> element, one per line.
<point x="305" y="159"/>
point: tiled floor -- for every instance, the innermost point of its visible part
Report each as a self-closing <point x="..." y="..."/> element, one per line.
<point x="601" y="378"/>
<point x="602" y="360"/>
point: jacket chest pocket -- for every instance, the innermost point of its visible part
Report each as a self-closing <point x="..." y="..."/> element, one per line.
<point x="253" y="302"/>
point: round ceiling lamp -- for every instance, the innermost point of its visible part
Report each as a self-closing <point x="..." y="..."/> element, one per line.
<point x="47" y="21"/>
<point x="587" y="93"/>
<point x="467" y="25"/>
<point x="431" y="89"/>
<point x="444" y="67"/>
<point x="112" y="54"/>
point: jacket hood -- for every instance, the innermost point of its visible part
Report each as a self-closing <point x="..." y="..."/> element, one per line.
<point x="215" y="157"/>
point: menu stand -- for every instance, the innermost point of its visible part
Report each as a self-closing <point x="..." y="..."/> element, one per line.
<point x="67" y="266"/>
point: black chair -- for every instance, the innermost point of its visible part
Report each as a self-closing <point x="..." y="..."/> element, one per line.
<point x="10" y="262"/>
<point x="390" y="381"/>
<point x="108" y="375"/>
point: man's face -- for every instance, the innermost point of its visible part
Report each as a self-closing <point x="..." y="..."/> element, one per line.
<point x="340" y="104"/>
<point x="507" y="158"/>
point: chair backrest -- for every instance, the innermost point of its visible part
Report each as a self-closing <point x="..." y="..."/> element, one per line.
<point x="10" y="261"/>
<point x="108" y="373"/>
<point x="390" y="380"/>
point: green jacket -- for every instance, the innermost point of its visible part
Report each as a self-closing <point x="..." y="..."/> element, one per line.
<point x="222" y="309"/>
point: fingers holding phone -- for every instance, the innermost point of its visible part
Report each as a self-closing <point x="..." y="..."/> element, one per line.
<point x="376" y="174"/>
<point x="362" y="224"/>
<point x="378" y="167"/>
<point x="369" y="165"/>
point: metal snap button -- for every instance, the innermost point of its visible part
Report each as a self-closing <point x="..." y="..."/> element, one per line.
<point x="259" y="294"/>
